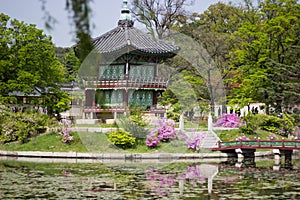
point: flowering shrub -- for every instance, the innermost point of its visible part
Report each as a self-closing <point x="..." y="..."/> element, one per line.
<point x="164" y="133"/>
<point x="193" y="139"/>
<point x="152" y="140"/>
<point x="66" y="131"/>
<point x="228" y="121"/>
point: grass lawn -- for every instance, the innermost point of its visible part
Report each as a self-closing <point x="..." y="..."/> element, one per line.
<point x="97" y="142"/>
<point x="46" y="142"/>
<point x="90" y="142"/>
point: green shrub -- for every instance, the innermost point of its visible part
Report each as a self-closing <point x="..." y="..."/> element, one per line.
<point x="287" y="125"/>
<point x="271" y="123"/>
<point x="251" y="123"/>
<point x="121" y="138"/>
<point x="139" y="132"/>
<point x="20" y="126"/>
<point x="174" y="112"/>
<point x="138" y="120"/>
<point x="248" y="129"/>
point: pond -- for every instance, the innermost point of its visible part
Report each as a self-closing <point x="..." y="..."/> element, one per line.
<point x="134" y="180"/>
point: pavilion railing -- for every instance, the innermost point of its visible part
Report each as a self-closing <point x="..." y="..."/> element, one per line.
<point x="158" y="82"/>
<point x="151" y="109"/>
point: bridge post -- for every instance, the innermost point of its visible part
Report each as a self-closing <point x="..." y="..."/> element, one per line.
<point x="277" y="159"/>
<point x="245" y="157"/>
<point x="287" y="158"/>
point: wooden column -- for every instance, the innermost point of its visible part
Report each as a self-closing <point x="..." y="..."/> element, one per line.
<point x="154" y="102"/>
<point x="125" y="99"/>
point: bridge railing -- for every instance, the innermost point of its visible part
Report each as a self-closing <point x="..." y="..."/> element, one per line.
<point x="262" y="144"/>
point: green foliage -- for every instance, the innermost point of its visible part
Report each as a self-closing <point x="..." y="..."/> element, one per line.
<point x="134" y="124"/>
<point x="21" y="126"/>
<point x="28" y="62"/>
<point x="138" y="120"/>
<point x="121" y="138"/>
<point x="174" y="112"/>
<point x="129" y="125"/>
<point x="72" y="64"/>
<point x="56" y="101"/>
<point x="136" y="116"/>
<point x="287" y="126"/>
<point x="265" y="61"/>
<point x="271" y="123"/>
<point x="280" y="125"/>
<point x="251" y="123"/>
<point x="248" y="129"/>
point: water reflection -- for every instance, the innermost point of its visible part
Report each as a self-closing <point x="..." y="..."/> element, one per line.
<point x="181" y="180"/>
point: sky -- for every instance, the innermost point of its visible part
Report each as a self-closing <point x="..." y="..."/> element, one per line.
<point x="105" y="15"/>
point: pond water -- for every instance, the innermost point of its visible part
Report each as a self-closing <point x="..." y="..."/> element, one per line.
<point x="134" y="180"/>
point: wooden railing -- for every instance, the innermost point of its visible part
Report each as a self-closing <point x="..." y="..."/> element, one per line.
<point x="259" y="144"/>
<point x="158" y="82"/>
<point x="152" y="109"/>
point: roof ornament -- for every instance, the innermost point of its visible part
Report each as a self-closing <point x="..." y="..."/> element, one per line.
<point x="125" y="18"/>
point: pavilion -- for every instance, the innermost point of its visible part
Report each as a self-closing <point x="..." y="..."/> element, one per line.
<point x="127" y="72"/>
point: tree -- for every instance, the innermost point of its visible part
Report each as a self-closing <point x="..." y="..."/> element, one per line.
<point x="213" y="30"/>
<point x="159" y="16"/>
<point x="71" y="64"/>
<point x="28" y="60"/>
<point x="266" y="60"/>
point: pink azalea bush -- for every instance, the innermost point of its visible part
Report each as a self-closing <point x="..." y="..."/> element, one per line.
<point x="152" y="140"/>
<point x="66" y="131"/>
<point x="228" y="121"/>
<point x="193" y="139"/>
<point x="164" y="133"/>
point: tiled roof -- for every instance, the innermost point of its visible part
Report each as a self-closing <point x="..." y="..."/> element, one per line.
<point x="128" y="38"/>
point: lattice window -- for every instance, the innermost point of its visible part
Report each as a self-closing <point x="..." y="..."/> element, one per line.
<point x="140" y="97"/>
<point x="111" y="72"/>
<point x="141" y="72"/>
<point x="109" y="97"/>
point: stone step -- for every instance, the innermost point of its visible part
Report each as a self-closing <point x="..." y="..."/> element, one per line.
<point x="210" y="141"/>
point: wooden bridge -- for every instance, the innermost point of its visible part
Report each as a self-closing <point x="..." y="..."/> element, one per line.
<point x="258" y="144"/>
<point x="244" y="149"/>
